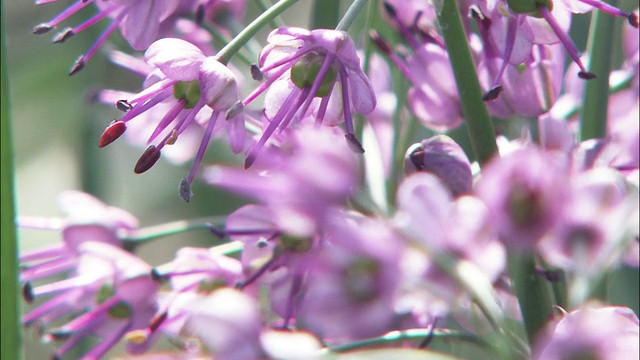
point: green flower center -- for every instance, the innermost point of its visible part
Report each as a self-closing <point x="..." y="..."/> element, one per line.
<point x="120" y="310"/>
<point x="305" y="72"/>
<point x="189" y="91"/>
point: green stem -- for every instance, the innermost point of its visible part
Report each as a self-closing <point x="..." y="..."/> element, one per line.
<point x="411" y="335"/>
<point x="593" y="120"/>
<point x="325" y="14"/>
<point x="10" y="328"/>
<point x="226" y="53"/>
<point x="474" y="109"/>
<point x="143" y="235"/>
<point x="351" y="14"/>
<point x="533" y="293"/>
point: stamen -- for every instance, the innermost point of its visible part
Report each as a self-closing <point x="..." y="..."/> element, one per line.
<point x="27" y="292"/>
<point x="62" y="36"/>
<point x="572" y="50"/>
<point x="352" y="141"/>
<point x="234" y="111"/>
<point x="184" y="190"/>
<point x="167" y="119"/>
<point x="101" y="39"/>
<point x="512" y="29"/>
<point x="77" y="65"/>
<point x="42" y="29"/>
<point x="201" y="150"/>
<point x="199" y="15"/>
<point x="147" y="160"/>
<point x="112" y="133"/>
<point x="66" y="13"/>
<point x="612" y="10"/>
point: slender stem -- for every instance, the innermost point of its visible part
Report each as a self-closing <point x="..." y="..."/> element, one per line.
<point x="276" y="22"/>
<point x="10" y="328"/>
<point x="593" y="120"/>
<point x="252" y="29"/>
<point x="176" y="227"/>
<point x="325" y="14"/>
<point x="412" y="335"/>
<point x="474" y="109"/>
<point x="351" y="14"/>
<point x="533" y="293"/>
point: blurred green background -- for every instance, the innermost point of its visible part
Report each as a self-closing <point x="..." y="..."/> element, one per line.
<point x="57" y="129"/>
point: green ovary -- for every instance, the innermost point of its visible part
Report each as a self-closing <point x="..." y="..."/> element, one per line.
<point x="187" y="90"/>
<point x="305" y="72"/>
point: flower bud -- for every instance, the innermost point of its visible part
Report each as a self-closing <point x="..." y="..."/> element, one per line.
<point x="443" y="157"/>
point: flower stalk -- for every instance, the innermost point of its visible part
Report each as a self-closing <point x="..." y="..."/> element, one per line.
<point x="474" y="109"/>
<point x="596" y="94"/>
<point x="10" y="322"/>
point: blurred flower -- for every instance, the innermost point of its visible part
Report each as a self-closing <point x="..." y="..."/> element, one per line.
<point x="605" y="333"/>
<point x="88" y="219"/>
<point x="111" y="288"/>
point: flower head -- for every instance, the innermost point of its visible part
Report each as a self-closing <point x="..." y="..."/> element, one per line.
<point x="311" y="74"/>
<point x="199" y="89"/>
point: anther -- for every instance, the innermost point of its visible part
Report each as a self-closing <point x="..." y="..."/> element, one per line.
<point x="60" y="334"/>
<point x="123" y="105"/>
<point x="380" y="42"/>
<point x="256" y="74"/>
<point x="216" y="231"/>
<point x="77" y="66"/>
<point x="173" y="137"/>
<point x="185" y="190"/>
<point x="354" y="144"/>
<point x="234" y="110"/>
<point x="157" y="276"/>
<point x="199" y="15"/>
<point x="492" y="94"/>
<point x="633" y="20"/>
<point x="391" y="11"/>
<point x="27" y="292"/>
<point x="587" y="75"/>
<point x="112" y="132"/>
<point x="42" y="29"/>
<point x="147" y="160"/>
<point x="63" y="36"/>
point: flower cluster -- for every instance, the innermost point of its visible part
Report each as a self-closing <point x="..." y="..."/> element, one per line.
<point x="372" y="216"/>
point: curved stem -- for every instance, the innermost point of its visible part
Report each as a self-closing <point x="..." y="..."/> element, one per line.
<point x="412" y="335"/>
<point x="351" y="14"/>
<point x="226" y="53"/>
<point x="138" y="236"/>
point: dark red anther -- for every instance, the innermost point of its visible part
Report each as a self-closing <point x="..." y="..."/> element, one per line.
<point x="112" y="132"/>
<point x="147" y="160"/>
<point x="157" y="320"/>
<point x="587" y="75"/>
<point x="256" y="74"/>
<point x="380" y="42"/>
<point x="123" y="105"/>
<point x="27" y="292"/>
<point x="354" y="144"/>
<point x="77" y="66"/>
<point x="633" y="20"/>
<point x="492" y="94"/>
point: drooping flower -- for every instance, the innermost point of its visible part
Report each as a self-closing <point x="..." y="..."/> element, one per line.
<point x="310" y="75"/>
<point x="200" y="89"/>
<point x="443" y="157"/>
<point x="111" y="289"/>
<point x="605" y="333"/>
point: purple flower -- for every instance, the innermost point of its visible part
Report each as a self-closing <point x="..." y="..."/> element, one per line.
<point x="525" y="192"/>
<point x="228" y="323"/>
<point x="139" y="23"/>
<point x="309" y="174"/>
<point x="605" y="333"/>
<point x="88" y="219"/>
<point x="310" y="75"/>
<point x="354" y="276"/>
<point x="597" y="215"/>
<point x="200" y="89"/>
<point x="111" y="288"/>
